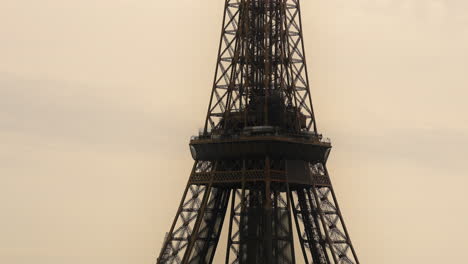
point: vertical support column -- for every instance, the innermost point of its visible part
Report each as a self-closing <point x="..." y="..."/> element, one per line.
<point x="298" y="228"/>
<point x="236" y="219"/>
<point x="289" y="209"/>
<point x="267" y="248"/>
<point x="266" y="57"/>
<point x="231" y="221"/>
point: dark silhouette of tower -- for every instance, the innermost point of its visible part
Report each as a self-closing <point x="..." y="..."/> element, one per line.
<point x="260" y="155"/>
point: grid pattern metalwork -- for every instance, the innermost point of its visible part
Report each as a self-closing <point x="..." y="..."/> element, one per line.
<point x="261" y="55"/>
<point x="260" y="89"/>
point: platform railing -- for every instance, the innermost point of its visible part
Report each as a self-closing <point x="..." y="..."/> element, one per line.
<point x="262" y="131"/>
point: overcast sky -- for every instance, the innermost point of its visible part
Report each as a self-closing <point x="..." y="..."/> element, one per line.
<point x="98" y="99"/>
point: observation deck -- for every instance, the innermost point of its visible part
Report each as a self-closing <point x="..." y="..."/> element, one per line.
<point x="258" y="142"/>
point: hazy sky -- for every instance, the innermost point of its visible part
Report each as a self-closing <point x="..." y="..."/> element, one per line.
<point x="98" y="99"/>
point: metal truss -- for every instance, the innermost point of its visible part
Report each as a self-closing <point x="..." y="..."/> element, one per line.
<point x="197" y="226"/>
<point x="308" y="228"/>
<point x="223" y="83"/>
<point x="260" y="223"/>
<point x="261" y="55"/>
<point x="297" y="62"/>
<point x="260" y="90"/>
<point x="320" y="225"/>
<point x="249" y="230"/>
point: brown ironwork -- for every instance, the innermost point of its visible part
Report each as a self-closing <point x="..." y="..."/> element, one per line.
<point x="259" y="156"/>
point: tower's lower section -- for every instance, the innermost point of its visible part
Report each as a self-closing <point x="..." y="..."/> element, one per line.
<point x="267" y="199"/>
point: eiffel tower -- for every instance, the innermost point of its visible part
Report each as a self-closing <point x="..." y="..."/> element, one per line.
<point x="260" y="156"/>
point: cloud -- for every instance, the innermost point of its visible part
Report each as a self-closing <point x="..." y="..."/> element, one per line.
<point x="78" y="114"/>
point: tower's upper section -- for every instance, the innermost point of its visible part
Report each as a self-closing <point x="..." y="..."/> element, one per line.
<point x="260" y="103"/>
<point x="261" y="75"/>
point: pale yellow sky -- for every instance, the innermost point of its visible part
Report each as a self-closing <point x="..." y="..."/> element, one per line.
<point x="98" y="99"/>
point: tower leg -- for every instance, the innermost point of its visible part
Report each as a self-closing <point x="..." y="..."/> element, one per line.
<point x="195" y="231"/>
<point x="328" y="214"/>
<point x="308" y="227"/>
<point x="262" y="207"/>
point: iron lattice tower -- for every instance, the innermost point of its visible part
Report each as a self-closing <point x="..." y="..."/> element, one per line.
<point x="260" y="154"/>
